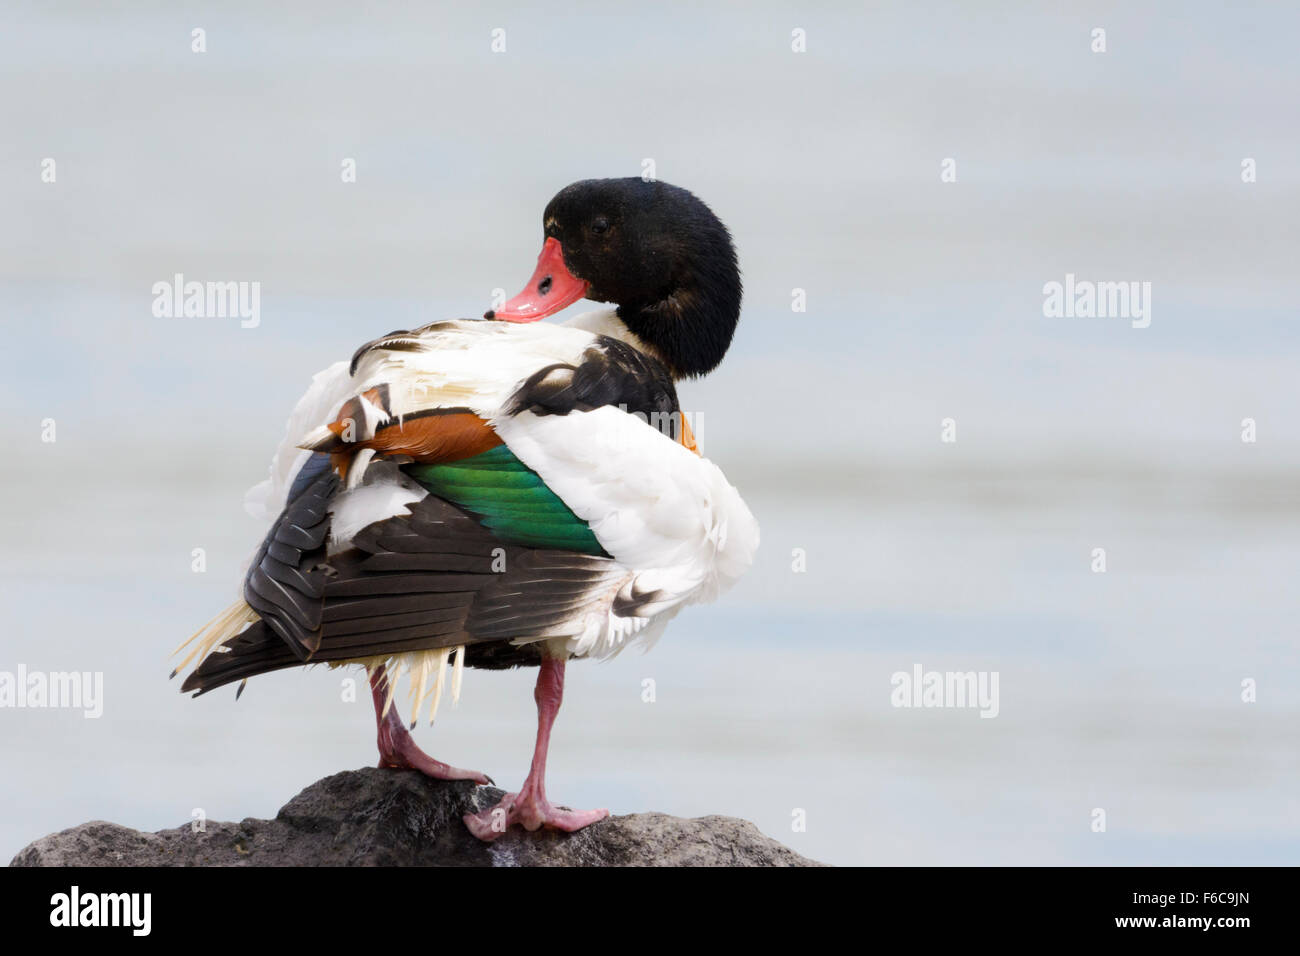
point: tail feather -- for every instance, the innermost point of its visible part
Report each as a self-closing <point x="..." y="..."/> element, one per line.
<point x="220" y="629"/>
<point x="254" y="650"/>
<point x="229" y="651"/>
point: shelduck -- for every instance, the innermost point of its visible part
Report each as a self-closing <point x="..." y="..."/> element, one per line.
<point x="496" y="493"/>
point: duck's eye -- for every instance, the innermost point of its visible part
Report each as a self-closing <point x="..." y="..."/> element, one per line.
<point x="599" y="225"/>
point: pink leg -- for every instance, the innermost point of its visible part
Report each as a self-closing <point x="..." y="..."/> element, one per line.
<point x="529" y="807"/>
<point x="397" y="747"/>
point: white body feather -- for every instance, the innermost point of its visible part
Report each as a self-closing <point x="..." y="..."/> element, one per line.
<point x="673" y="524"/>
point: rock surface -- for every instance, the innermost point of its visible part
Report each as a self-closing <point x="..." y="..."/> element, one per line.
<point x="377" y="817"/>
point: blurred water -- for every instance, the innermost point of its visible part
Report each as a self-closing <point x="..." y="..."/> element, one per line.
<point x="1119" y="691"/>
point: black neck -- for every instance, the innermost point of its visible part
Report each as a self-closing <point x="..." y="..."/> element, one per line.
<point x="690" y="329"/>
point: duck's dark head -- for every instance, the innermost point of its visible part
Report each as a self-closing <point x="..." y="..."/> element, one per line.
<point x="653" y="249"/>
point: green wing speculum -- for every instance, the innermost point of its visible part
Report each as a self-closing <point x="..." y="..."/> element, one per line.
<point x="510" y="499"/>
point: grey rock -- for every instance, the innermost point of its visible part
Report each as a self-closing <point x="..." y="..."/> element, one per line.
<point x="377" y="817"/>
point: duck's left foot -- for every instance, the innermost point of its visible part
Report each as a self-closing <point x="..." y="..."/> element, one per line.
<point x="531" y="813"/>
<point x="398" y="749"/>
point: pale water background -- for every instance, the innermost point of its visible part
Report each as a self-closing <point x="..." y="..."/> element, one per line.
<point x="1119" y="691"/>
